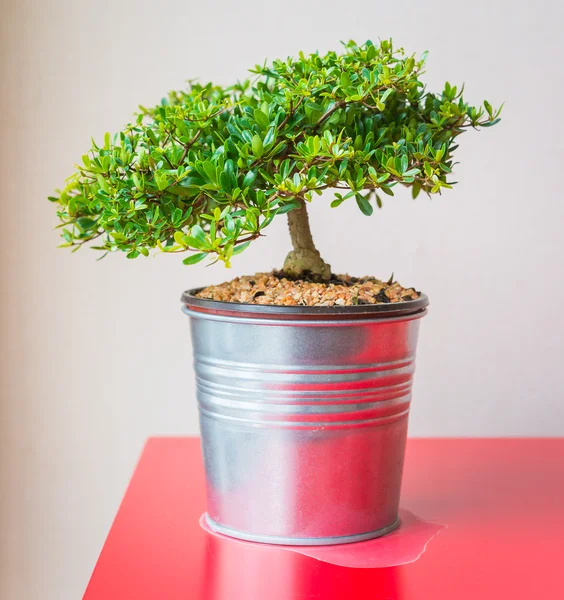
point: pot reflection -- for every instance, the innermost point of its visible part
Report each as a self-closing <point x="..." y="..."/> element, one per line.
<point x="241" y="571"/>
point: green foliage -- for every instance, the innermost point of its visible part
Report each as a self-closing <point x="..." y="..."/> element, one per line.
<point x="209" y="168"/>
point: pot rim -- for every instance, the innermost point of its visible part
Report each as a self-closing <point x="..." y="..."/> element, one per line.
<point x="359" y="311"/>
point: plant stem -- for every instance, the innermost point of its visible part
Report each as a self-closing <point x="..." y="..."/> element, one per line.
<point x="304" y="259"/>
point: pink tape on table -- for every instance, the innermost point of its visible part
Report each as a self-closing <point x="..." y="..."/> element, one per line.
<point x="405" y="545"/>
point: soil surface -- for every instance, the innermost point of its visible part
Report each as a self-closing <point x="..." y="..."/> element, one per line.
<point x="278" y="289"/>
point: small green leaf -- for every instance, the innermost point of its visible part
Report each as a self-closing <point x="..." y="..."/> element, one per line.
<point x="240" y="247"/>
<point x="192" y="242"/>
<point x="85" y="223"/>
<point x="365" y="207"/>
<point x="488" y="108"/>
<point x="151" y="135"/>
<point x="229" y="224"/>
<point x="251" y="223"/>
<point x="103" y="183"/>
<point x="403" y="163"/>
<point x="261" y="119"/>
<point x="287" y="207"/>
<point x="338" y="201"/>
<point x="198" y="233"/>
<point x="491" y="123"/>
<point x="195" y="258"/>
<point x="440" y="153"/>
<point x="257" y="146"/>
<point x="176" y="215"/>
<point x="210" y="171"/>
<point x="161" y="180"/>
<point x="249" y="179"/>
<point x="386" y="94"/>
<point x="180" y="190"/>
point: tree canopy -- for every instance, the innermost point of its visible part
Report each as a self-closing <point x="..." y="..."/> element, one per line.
<point x="210" y="167"/>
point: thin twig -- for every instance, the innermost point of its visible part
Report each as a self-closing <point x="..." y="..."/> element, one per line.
<point x="89" y="239"/>
<point x="190" y="144"/>
<point x="291" y="113"/>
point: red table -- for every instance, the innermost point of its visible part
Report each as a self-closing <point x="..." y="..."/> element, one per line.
<point x="502" y="502"/>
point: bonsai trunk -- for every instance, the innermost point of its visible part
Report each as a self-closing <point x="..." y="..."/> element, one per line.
<point x="304" y="259"/>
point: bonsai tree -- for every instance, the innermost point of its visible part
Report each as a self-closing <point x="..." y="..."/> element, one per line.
<point x="208" y="169"/>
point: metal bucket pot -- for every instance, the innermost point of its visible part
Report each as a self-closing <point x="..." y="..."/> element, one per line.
<point x="303" y="417"/>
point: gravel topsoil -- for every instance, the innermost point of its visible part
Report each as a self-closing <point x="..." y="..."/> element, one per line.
<point x="277" y="289"/>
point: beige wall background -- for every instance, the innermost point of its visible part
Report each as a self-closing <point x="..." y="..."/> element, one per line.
<point x="96" y="355"/>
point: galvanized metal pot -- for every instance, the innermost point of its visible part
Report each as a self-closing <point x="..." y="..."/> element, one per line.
<point x="303" y="416"/>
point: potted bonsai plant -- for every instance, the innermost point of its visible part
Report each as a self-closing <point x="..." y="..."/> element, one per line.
<point x="303" y="376"/>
